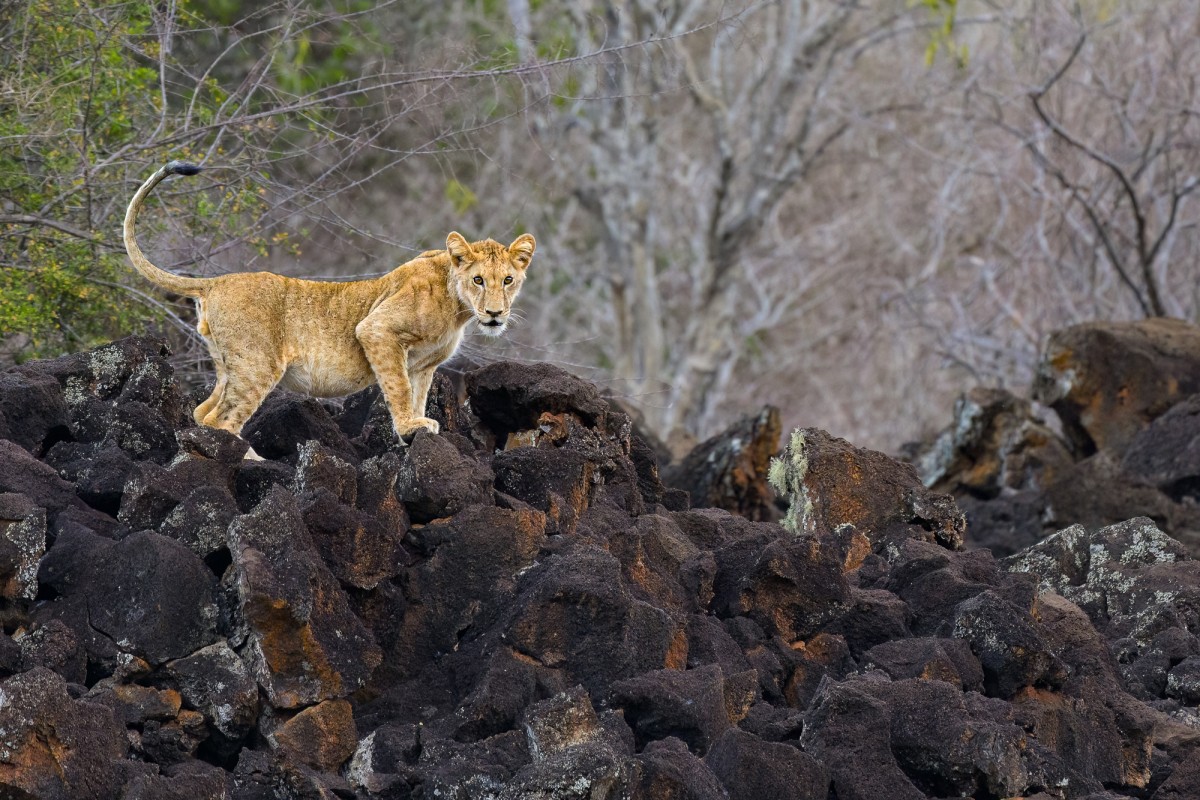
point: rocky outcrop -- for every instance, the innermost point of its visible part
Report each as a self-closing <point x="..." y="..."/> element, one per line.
<point x="729" y="470"/>
<point x="518" y="607"/>
<point x="1110" y="433"/>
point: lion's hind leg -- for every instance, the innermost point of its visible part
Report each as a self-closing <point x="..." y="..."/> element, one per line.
<point x="208" y="405"/>
<point x="247" y="384"/>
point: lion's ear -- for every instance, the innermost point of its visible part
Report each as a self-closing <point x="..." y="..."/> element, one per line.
<point x="521" y="250"/>
<point x="460" y="251"/>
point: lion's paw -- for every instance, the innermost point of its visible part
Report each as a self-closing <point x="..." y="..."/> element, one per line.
<point x="409" y="428"/>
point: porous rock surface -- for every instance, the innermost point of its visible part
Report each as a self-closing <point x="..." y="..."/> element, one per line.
<point x="1110" y="431"/>
<point x="509" y="609"/>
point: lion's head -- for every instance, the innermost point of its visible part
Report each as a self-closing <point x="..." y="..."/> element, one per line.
<point x="487" y="276"/>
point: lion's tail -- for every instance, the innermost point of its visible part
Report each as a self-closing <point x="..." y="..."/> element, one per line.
<point x="190" y="287"/>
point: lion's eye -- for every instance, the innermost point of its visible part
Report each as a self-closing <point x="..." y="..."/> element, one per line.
<point x="478" y="280"/>
<point x="507" y="280"/>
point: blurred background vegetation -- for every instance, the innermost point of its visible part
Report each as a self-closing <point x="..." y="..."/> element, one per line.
<point x="851" y="210"/>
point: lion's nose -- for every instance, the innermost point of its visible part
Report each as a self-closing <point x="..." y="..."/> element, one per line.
<point x="493" y="314"/>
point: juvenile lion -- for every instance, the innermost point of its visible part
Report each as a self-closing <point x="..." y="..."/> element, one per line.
<point x="328" y="339"/>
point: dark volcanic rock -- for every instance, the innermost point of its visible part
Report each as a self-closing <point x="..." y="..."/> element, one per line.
<point x="1009" y="648"/>
<point x="949" y="660"/>
<point x="285" y="421"/>
<point x="468" y="576"/>
<point x="509" y="397"/>
<point x="21" y="473"/>
<point x="123" y="393"/>
<point x="149" y="594"/>
<point x="99" y="471"/>
<point x="666" y="770"/>
<point x="216" y="682"/>
<point x="517" y="608"/>
<point x="305" y="644"/>
<point x="689" y="705"/>
<point x="558" y="481"/>
<point x="22" y="545"/>
<point x="789" y="585"/>
<point x="1130" y="578"/>
<point x="574" y="613"/>
<point x="996" y="442"/>
<point x="56" y="748"/>
<point x="1109" y="380"/>
<point x="729" y="470"/>
<point x="831" y="485"/>
<point x="1166" y="454"/>
<point x="752" y="769"/>
<point x="436" y="480"/>
<point x="32" y="411"/>
<point x="322" y="737"/>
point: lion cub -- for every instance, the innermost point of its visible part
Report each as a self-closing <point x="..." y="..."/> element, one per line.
<point x="327" y="339"/>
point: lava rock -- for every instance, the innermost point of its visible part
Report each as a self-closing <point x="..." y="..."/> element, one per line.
<point x="216" y="682"/>
<point x="574" y="613"/>
<point x="1183" y="682"/>
<point x="1010" y="650"/>
<point x="147" y="593"/>
<point x="22" y="545"/>
<point x="557" y="481"/>
<point x="436" y="480"/>
<point x="99" y="471"/>
<point x="666" y="769"/>
<point x="193" y="780"/>
<point x="1109" y="380"/>
<point x="467" y="578"/>
<point x="323" y="736"/>
<point x="689" y="705"/>
<point x="789" y="585"/>
<point x="751" y="769"/>
<point x="729" y="470"/>
<point x="54" y="747"/>
<point x="285" y="421"/>
<point x="829" y="483"/>
<point x="54" y="645"/>
<point x="996" y="442"/>
<point x="305" y="643"/>
<point x="1131" y="579"/>
<point x="21" y="473"/>
<point x="509" y="397"/>
<point x="213" y="443"/>
<point x="359" y="550"/>
<point x="153" y="492"/>
<point x="928" y="658"/>
<point x="32" y="411"/>
<point x="200" y="521"/>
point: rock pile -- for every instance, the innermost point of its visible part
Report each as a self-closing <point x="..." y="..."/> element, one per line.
<point x="1111" y="431"/>
<point x="518" y="608"/>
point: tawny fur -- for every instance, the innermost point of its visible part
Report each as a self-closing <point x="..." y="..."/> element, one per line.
<point x="328" y="339"/>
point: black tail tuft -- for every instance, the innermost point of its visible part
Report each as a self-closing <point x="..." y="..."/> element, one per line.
<point x="182" y="168"/>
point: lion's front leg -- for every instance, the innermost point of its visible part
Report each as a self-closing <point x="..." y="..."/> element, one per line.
<point x="388" y="356"/>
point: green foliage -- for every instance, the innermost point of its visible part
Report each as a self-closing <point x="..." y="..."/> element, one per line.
<point x="60" y="298"/>
<point x="80" y="101"/>
<point x="460" y="196"/>
<point x="945" y="13"/>
<point x="75" y="93"/>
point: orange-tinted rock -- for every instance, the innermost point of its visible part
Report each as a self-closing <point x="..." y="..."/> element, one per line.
<point x="53" y="747"/>
<point x="1108" y="380"/>
<point x="995" y="442"/>
<point x="830" y="483"/>
<point x="305" y="643"/>
<point x="322" y="737"/>
<point x="729" y="470"/>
